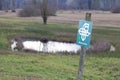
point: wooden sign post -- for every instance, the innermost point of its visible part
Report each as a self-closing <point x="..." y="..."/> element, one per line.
<point x="83" y="39"/>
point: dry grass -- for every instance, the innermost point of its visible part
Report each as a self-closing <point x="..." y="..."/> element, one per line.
<point x="98" y="17"/>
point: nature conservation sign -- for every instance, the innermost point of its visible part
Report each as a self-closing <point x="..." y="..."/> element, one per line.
<point x="84" y="33"/>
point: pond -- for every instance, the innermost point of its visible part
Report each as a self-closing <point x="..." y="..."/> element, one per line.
<point x="49" y="46"/>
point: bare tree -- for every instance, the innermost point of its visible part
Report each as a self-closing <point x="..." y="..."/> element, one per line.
<point x="44" y="10"/>
<point x="13" y="5"/>
<point x="5" y="5"/>
<point x="0" y="4"/>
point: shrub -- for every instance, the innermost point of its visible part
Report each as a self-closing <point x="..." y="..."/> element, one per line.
<point x="99" y="46"/>
<point x="29" y="11"/>
<point x="32" y="10"/>
<point x="116" y="9"/>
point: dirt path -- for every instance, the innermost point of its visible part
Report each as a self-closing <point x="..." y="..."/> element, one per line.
<point x="98" y="18"/>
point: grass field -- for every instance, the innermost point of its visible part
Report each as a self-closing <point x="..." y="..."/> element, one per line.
<point x="98" y="66"/>
<point x="62" y="32"/>
<point x="59" y="67"/>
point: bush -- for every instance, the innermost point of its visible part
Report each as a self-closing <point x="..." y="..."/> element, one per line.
<point x="99" y="46"/>
<point x="51" y="11"/>
<point x="116" y="9"/>
<point x="29" y="11"/>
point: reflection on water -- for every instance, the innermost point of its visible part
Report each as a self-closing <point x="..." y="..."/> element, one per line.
<point x="62" y="47"/>
<point x="50" y="46"/>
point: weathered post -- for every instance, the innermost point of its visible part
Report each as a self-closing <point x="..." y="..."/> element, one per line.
<point x="88" y="17"/>
<point x="83" y="48"/>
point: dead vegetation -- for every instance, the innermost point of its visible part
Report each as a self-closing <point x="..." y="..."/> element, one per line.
<point x="100" y="18"/>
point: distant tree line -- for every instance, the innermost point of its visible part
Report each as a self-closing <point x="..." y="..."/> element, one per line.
<point x="66" y="4"/>
<point x="92" y="4"/>
<point x="11" y="4"/>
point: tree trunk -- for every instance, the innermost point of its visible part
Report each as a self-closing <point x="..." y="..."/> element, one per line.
<point x="45" y="19"/>
<point x="44" y="10"/>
